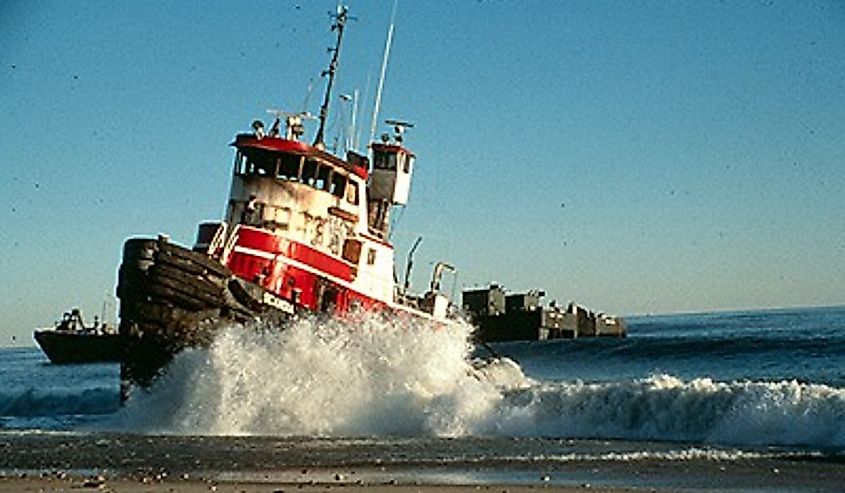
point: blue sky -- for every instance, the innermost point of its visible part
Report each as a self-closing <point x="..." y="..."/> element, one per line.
<point x="637" y="157"/>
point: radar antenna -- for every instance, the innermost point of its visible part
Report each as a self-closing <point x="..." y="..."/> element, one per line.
<point x="399" y="128"/>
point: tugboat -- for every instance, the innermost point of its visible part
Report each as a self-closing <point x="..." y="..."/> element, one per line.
<point x="305" y="231"/>
<point x="71" y="341"/>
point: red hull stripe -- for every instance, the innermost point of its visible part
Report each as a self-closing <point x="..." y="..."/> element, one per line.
<point x="350" y="294"/>
<point x="302" y="271"/>
<point x="274" y="245"/>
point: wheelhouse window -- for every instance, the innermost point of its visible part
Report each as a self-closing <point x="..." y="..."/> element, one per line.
<point x="296" y="168"/>
<point x="289" y="167"/>
<point x="338" y="185"/>
<point x="240" y="164"/>
<point x="309" y="172"/>
<point x="384" y="161"/>
<point x="255" y="163"/>
<point x="322" y="182"/>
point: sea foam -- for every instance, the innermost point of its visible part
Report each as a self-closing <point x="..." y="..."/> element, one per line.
<point x="666" y="408"/>
<point x="365" y="376"/>
<point x="373" y="376"/>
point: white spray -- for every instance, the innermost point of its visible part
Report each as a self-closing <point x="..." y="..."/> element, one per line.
<point x="375" y="376"/>
<point x="369" y="376"/>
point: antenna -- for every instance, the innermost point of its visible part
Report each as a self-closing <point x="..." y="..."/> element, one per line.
<point x="340" y="23"/>
<point x="353" y="128"/>
<point x="364" y="98"/>
<point x="383" y="71"/>
<point x="348" y="131"/>
<point x="308" y="92"/>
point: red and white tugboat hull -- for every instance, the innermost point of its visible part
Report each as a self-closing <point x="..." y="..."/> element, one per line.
<point x="304" y="231"/>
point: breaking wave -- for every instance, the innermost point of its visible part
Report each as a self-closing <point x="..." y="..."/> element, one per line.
<point x="377" y="377"/>
<point x="368" y="376"/>
<point x="666" y="408"/>
<point x="31" y="402"/>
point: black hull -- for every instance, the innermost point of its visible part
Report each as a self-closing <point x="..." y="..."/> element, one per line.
<point x="77" y="347"/>
<point x="171" y="299"/>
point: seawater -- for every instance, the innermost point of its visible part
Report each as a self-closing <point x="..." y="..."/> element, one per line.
<point x="740" y="382"/>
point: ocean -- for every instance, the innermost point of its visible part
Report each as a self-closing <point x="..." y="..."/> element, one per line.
<point x="393" y="398"/>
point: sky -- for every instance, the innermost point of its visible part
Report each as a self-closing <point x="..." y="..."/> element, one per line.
<point x="636" y="157"/>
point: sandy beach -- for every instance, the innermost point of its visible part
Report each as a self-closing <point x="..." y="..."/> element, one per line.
<point x="148" y="459"/>
<point x="78" y="485"/>
<point x="651" y="478"/>
<point x="125" y="463"/>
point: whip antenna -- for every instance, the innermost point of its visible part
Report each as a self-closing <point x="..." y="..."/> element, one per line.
<point x="383" y="71"/>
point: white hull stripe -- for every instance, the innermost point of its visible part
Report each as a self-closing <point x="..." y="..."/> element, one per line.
<point x="295" y="263"/>
<point x="299" y="265"/>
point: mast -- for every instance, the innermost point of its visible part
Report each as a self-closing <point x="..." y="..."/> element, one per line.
<point x="338" y="26"/>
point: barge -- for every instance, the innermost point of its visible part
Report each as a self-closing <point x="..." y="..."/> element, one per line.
<point x="500" y="316"/>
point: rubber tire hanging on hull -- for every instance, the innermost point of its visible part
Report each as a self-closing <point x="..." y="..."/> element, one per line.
<point x="171" y="298"/>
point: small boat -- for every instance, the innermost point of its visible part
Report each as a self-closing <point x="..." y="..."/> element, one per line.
<point x="305" y="231"/>
<point x="71" y="341"/>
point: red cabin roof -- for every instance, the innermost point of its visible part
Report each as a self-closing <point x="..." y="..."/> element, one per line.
<point x="276" y="144"/>
<point x="391" y="148"/>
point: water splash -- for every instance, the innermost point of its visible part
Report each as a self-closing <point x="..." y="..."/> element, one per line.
<point x="374" y="376"/>
<point x="367" y="376"/>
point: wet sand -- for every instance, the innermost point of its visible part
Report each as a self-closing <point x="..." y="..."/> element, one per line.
<point x="80" y="485"/>
<point x="71" y="483"/>
<point x="78" y="462"/>
<point x="673" y="481"/>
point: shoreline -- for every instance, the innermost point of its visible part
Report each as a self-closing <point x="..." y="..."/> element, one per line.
<point x="134" y="463"/>
<point x="73" y="484"/>
<point x="653" y="476"/>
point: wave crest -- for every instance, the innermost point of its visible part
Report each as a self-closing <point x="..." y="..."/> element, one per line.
<point x="666" y="408"/>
